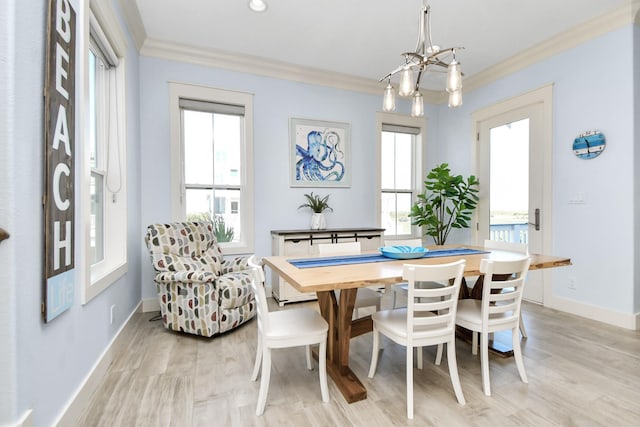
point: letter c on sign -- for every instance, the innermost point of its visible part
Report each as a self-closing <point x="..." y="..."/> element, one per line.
<point x="63" y="205"/>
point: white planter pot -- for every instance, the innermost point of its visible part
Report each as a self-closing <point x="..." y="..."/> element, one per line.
<point x="318" y="221"/>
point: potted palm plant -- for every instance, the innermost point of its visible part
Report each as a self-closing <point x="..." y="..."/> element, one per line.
<point x="448" y="201"/>
<point x="318" y="206"/>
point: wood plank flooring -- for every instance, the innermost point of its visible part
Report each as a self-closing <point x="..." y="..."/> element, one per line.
<point x="581" y="373"/>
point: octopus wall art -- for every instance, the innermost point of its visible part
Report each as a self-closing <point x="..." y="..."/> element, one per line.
<point x="320" y="153"/>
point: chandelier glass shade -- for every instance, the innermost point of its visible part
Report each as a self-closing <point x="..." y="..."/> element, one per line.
<point x="427" y="57"/>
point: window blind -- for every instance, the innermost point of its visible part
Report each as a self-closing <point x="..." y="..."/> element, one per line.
<point x="211" y="107"/>
<point x="400" y="129"/>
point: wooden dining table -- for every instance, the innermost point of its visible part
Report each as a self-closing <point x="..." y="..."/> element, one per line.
<point x="338" y="312"/>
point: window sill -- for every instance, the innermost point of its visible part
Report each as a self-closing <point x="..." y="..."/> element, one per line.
<point x="99" y="284"/>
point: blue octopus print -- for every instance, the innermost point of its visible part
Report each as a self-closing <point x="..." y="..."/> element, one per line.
<point x="320" y="161"/>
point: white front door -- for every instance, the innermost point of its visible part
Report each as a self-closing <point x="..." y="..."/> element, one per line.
<point x="512" y="151"/>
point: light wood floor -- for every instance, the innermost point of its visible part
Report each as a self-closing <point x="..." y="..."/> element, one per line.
<point x="581" y="373"/>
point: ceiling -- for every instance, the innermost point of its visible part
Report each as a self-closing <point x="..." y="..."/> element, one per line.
<point x="364" y="38"/>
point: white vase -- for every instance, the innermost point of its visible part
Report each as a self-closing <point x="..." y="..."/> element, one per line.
<point x="318" y="221"/>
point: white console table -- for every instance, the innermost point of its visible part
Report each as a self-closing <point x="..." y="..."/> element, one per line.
<point x="301" y="243"/>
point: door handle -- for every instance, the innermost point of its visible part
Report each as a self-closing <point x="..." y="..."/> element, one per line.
<point x="536" y="217"/>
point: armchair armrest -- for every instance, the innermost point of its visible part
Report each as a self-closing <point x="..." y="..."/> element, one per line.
<point x="231" y="265"/>
<point x="235" y="289"/>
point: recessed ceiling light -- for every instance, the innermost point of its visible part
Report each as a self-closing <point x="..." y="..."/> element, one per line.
<point x="257" y="5"/>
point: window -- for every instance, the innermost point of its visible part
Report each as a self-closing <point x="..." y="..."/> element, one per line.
<point x="212" y="138"/>
<point x="103" y="186"/>
<point x="400" y="172"/>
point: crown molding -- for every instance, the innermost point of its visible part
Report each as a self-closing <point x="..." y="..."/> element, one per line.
<point x="264" y="67"/>
<point x="560" y="43"/>
<point x="255" y="65"/>
<point x="134" y="22"/>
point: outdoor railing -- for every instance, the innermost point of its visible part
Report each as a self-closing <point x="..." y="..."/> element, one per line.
<point x="514" y="233"/>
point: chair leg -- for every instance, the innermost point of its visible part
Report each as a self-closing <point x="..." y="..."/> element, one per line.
<point x="256" y="365"/>
<point x="409" y="382"/>
<point x="395" y="293"/>
<point x="453" y="370"/>
<point x="517" y="354"/>
<point x="484" y="362"/>
<point x="439" y="354"/>
<point x="523" y="330"/>
<point x="420" y="364"/>
<point x="474" y="343"/>
<point x="322" y="367"/>
<point x="264" y="381"/>
<point x="307" y="352"/>
<point x="374" y="352"/>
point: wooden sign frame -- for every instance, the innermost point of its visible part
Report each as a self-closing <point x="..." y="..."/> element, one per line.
<point x="59" y="180"/>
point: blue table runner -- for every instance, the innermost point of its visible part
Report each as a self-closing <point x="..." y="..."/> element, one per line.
<point x="367" y="258"/>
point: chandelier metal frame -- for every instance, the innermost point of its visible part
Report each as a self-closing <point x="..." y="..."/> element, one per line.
<point x="427" y="57"/>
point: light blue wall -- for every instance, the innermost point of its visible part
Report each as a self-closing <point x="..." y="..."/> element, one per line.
<point x="636" y="159"/>
<point x="275" y="101"/>
<point x="588" y="93"/>
<point x="52" y="360"/>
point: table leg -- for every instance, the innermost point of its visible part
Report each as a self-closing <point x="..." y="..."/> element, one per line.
<point x="338" y="315"/>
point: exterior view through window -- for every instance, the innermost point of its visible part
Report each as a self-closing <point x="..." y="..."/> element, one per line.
<point x="212" y="142"/>
<point x="397" y="178"/>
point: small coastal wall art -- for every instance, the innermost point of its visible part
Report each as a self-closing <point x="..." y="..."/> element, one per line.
<point x="589" y="145"/>
<point x="319" y="153"/>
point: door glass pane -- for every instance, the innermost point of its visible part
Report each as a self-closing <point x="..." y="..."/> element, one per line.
<point x="198" y="147"/>
<point x="509" y="178"/>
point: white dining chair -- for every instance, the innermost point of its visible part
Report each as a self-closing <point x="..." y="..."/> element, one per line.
<point x="521" y="248"/>
<point x="365" y="297"/>
<point x="497" y="311"/>
<point x="423" y="323"/>
<point x="283" y="329"/>
<point x="401" y="288"/>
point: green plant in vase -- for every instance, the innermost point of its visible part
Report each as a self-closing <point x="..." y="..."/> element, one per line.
<point x="448" y="201"/>
<point x="318" y="206"/>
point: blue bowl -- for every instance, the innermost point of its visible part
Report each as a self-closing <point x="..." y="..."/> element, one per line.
<point x="403" y="252"/>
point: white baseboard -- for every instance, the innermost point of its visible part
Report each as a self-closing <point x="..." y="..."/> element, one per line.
<point x="74" y="409"/>
<point x="150" y="304"/>
<point x="615" y="318"/>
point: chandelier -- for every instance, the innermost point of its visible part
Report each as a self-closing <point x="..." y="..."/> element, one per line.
<point x="427" y="57"/>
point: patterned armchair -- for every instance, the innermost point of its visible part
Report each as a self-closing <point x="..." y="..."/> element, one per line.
<point x="199" y="291"/>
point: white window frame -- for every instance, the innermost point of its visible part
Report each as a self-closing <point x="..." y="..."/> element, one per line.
<point x="178" y="199"/>
<point x="100" y="23"/>
<point x="418" y="165"/>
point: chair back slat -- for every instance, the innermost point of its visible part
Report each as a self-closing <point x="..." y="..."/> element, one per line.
<point x="502" y="299"/>
<point x="431" y="312"/>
